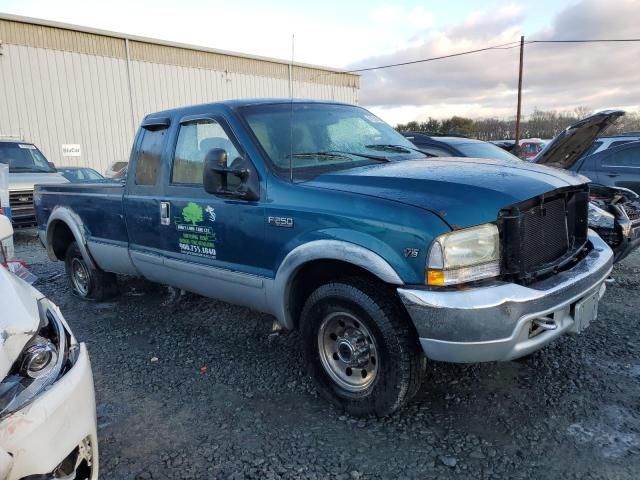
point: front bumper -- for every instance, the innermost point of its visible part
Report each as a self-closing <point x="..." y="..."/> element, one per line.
<point x="36" y="439"/>
<point x="497" y="322"/>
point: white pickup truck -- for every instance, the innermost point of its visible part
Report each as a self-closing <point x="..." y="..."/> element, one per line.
<point x="27" y="167"/>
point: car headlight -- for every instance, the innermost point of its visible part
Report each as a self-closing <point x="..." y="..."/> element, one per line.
<point x="600" y="218"/>
<point x="44" y="359"/>
<point x="464" y="256"/>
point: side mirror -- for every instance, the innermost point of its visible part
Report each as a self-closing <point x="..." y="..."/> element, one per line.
<point x="215" y="177"/>
<point x="6" y="229"/>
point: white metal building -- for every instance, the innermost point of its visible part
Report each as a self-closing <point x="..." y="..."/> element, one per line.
<point x="79" y="93"/>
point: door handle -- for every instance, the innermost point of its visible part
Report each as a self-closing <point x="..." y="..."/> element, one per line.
<point x="613" y="175"/>
<point x="165" y="213"/>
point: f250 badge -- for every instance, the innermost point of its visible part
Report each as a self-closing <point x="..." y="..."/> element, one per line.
<point x="286" y="222"/>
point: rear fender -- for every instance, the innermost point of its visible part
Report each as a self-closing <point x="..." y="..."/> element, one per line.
<point x="76" y="225"/>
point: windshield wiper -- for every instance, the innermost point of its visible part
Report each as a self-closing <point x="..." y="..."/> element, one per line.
<point x="393" y="148"/>
<point x="27" y="170"/>
<point x="339" y="154"/>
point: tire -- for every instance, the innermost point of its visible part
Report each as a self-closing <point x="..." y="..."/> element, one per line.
<point x="360" y="348"/>
<point x="87" y="282"/>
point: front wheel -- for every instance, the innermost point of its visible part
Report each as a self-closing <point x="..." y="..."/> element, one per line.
<point x="85" y="281"/>
<point x="360" y="348"/>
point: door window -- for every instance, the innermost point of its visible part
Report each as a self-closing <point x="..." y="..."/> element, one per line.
<point x="195" y="140"/>
<point x="148" y="165"/>
<point x="629" y="157"/>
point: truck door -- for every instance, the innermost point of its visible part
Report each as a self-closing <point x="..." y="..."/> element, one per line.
<point x="212" y="243"/>
<point x="142" y="198"/>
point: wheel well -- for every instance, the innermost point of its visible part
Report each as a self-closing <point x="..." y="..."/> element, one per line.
<point x="313" y="274"/>
<point x="61" y="238"/>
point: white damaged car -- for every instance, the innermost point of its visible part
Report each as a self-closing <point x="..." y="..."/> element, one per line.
<point x="47" y="400"/>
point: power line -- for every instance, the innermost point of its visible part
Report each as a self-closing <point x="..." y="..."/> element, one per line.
<point x="601" y="40"/>
<point x="505" y="46"/>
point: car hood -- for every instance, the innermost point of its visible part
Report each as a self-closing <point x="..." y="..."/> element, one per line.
<point x="26" y="181"/>
<point x="19" y="320"/>
<point x="570" y="144"/>
<point x="462" y="191"/>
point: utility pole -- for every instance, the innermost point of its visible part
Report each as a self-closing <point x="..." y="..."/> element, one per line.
<point x="517" y="141"/>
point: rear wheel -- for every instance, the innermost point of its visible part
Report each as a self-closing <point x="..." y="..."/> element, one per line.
<point x="85" y="281"/>
<point x="360" y="348"/>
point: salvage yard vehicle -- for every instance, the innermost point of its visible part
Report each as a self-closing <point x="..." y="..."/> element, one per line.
<point x="324" y="216"/>
<point x="115" y="168"/>
<point x="27" y="167"/>
<point x="80" y="174"/>
<point x="47" y="402"/>
<point x="614" y="212"/>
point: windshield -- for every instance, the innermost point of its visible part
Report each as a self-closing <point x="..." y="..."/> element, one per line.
<point x="321" y="137"/>
<point x="23" y="158"/>
<point x="80" y="174"/>
<point x="485" y="150"/>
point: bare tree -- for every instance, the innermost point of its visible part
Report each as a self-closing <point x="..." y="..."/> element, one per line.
<point x="540" y="124"/>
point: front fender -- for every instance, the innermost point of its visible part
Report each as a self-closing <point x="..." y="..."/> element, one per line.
<point x="73" y="221"/>
<point x="326" y="249"/>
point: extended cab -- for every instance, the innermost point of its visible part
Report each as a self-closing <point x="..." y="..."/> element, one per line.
<point x="325" y="217"/>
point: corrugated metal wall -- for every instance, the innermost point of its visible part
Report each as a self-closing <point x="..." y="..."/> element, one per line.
<point x="61" y="86"/>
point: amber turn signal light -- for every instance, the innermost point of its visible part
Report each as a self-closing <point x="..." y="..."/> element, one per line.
<point x="435" y="277"/>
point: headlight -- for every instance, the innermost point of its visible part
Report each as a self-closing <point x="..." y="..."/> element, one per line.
<point x="600" y="218"/>
<point x="44" y="359"/>
<point x="464" y="256"/>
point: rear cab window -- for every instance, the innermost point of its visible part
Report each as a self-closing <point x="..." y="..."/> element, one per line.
<point x="149" y="156"/>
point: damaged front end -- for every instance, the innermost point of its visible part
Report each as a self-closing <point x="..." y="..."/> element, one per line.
<point x="614" y="213"/>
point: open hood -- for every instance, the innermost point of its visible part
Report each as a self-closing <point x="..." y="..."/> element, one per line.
<point x="570" y="144"/>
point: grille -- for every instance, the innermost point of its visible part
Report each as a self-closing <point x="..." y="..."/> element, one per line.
<point x="632" y="210"/>
<point x="543" y="234"/>
<point x="23" y="213"/>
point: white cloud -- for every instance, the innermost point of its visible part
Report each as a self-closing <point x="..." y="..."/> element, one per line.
<point x="322" y="36"/>
<point x="389" y="15"/>
<point x="556" y="76"/>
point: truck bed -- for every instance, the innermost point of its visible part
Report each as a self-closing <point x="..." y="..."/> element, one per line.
<point x="99" y="205"/>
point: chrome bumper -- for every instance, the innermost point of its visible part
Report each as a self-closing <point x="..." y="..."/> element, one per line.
<point x="496" y="322"/>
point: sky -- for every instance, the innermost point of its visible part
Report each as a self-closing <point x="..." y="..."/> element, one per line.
<point x="356" y="34"/>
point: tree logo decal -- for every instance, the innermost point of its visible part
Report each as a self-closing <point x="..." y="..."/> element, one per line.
<point x="192" y="213"/>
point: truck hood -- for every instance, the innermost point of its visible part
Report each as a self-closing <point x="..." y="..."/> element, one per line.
<point x="20" y="318"/>
<point x="462" y="191"/>
<point x="570" y="144"/>
<point x="26" y="181"/>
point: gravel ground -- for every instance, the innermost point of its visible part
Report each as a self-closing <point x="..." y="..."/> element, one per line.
<point x="193" y="388"/>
